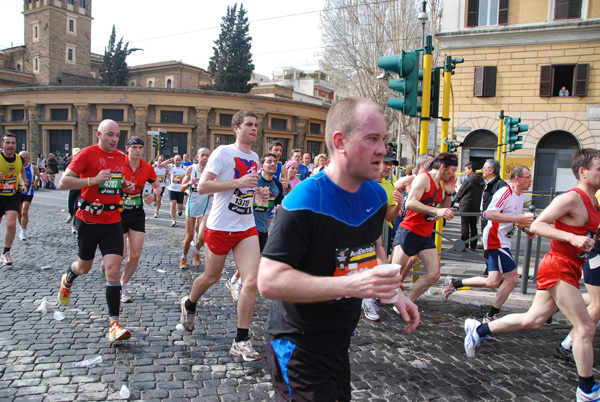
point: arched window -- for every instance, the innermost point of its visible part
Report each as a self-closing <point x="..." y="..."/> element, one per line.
<point x="150" y="84"/>
<point x="169" y="83"/>
<point x="19" y="67"/>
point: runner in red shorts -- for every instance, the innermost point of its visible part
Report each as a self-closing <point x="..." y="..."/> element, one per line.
<point x="231" y="174"/>
<point x="575" y="215"/>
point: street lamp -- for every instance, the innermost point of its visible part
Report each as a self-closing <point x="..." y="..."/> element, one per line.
<point x="423" y="18"/>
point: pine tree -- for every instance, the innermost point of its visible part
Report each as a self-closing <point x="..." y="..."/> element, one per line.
<point x="113" y="71"/>
<point x="231" y="64"/>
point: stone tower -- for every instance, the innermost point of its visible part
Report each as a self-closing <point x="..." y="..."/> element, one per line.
<point x="58" y="39"/>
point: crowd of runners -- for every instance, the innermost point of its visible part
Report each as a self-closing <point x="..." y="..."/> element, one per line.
<point x="315" y="260"/>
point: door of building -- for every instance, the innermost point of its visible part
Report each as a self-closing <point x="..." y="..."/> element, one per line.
<point x="60" y="143"/>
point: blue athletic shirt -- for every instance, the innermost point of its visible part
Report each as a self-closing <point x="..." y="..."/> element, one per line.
<point x="323" y="230"/>
<point x="30" y="176"/>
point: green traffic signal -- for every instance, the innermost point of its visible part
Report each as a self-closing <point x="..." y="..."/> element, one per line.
<point x="155" y="141"/>
<point x="513" y="128"/>
<point x="162" y="141"/>
<point x="406" y="65"/>
<point x="434" y="109"/>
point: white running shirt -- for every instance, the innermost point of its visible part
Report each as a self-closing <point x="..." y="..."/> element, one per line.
<point x="232" y="210"/>
<point x="177" y="174"/>
<point x="507" y="202"/>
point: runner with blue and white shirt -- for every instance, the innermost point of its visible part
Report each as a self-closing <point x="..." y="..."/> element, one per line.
<point x="33" y="175"/>
<point x="197" y="208"/>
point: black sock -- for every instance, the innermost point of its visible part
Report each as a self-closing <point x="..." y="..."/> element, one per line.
<point x="189" y="306"/>
<point x="6" y="250"/>
<point x="113" y="298"/>
<point x="242" y="334"/>
<point x="483" y="330"/>
<point x="586" y="384"/>
<point x="493" y="311"/>
<point x="71" y="275"/>
<point x="457" y="283"/>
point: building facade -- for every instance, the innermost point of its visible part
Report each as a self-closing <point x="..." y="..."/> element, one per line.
<point x="518" y="56"/>
<point x="49" y="98"/>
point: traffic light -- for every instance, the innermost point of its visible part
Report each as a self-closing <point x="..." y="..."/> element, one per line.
<point x="453" y="146"/>
<point x="162" y="141"/>
<point x="434" y="109"/>
<point x="155" y="141"/>
<point x="406" y="65"/>
<point x="393" y="146"/>
<point x="513" y="128"/>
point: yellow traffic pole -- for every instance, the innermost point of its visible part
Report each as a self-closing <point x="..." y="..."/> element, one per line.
<point x="500" y="131"/>
<point x="503" y="161"/>
<point x="439" y="225"/>
<point x="426" y="96"/>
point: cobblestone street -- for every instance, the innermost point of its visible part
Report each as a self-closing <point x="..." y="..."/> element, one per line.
<point x="161" y="363"/>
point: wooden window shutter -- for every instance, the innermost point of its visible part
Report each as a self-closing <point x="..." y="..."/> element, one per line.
<point x="546" y="81"/>
<point x="478" y="85"/>
<point x="581" y="79"/>
<point x="574" y="9"/>
<point x="561" y="9"/>
<point x="503" y="12"/>
<point x="489" y="81"/>
<point x="472" y="13"/>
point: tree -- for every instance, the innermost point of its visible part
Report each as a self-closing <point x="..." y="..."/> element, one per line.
<point x="356" y="33"/>
<point x="231" y="64"/>
<point x="113" y="71"/>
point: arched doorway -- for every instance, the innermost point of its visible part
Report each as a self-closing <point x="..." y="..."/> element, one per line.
<point x="478" y="146"/>
<point x="553" y="166"/>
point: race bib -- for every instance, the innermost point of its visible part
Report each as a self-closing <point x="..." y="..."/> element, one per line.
<point x="8" y="185"/>
<point x="112" y="186"/>
<point x="161" y="179"/>
<point x="241" y="203"/>
<point x="177" y="179"/>
<point x="134" y="200"/>
<point x="355" y="259"/>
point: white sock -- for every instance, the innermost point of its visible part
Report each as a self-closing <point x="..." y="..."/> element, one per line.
<point x="567" y="343"/>
<point x="233" y="279"/>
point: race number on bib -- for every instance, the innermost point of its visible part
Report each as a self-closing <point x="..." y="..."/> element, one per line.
<point x="112" y="186"/>
<point x="355" y="259"/>
<point x="241" y="203"/>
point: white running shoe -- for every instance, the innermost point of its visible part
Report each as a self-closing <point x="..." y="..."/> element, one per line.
<point x="156" y="214"/>
<point x="593" y="396"/>
<point x="186" y="319"/>
<point x="488" y="319"/>
<point x="245" y="350"/>
<point x="472" y="339"/>
<point x="125" y="296"/>
<point x="5" y="259"/>
<point x="370" y="309"/>
<point x="173" y="224"/>
<point x="22" y="234"/>
<point x="448" y="288"/>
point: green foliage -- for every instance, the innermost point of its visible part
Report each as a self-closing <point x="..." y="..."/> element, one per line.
<point x="231" y="64"/>
<point x="113" y="71"/>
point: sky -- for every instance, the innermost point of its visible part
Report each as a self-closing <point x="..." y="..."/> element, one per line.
<point x="284" y="33"/>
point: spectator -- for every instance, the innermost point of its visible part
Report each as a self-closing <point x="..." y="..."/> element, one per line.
<point x="469" y="200"/>
<point x="306" y="162"/>
<point x="292" y="167"/>
<point x="563" y="91"/>
<point x="320" y="163"/>
<point x="303" y="172"/>
<point x="52" y="170"/>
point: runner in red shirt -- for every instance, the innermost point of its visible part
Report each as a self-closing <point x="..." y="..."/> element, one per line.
<point x="98" y="171"/>
<point x="575" y="216"/>
<point x="425" y="205"/>
<point x="133" y="218"/>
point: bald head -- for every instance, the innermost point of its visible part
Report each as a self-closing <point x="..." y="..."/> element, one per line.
<point x="342" y="117"/>
<point x="108" y="135"/>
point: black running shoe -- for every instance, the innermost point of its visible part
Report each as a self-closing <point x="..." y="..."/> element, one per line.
<point x="564" y="354"/>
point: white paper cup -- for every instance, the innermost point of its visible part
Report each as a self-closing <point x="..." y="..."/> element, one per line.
<point x="389" y="266"/>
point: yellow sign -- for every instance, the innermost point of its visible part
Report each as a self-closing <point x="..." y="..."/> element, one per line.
<point x="514" y="161"/>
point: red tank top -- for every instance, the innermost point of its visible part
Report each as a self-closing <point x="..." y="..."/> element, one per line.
<point x="589" y="230"/>
<point x="422" y="224"/>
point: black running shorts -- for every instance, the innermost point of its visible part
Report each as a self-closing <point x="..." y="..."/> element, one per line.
<point x="9" y="203"/>
<point x="92" y="235"/>
<point x="133" y="219"/>
<point x="308" y="376"/>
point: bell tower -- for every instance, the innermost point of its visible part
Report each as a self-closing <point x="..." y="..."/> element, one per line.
<point x="57" y="39"/>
